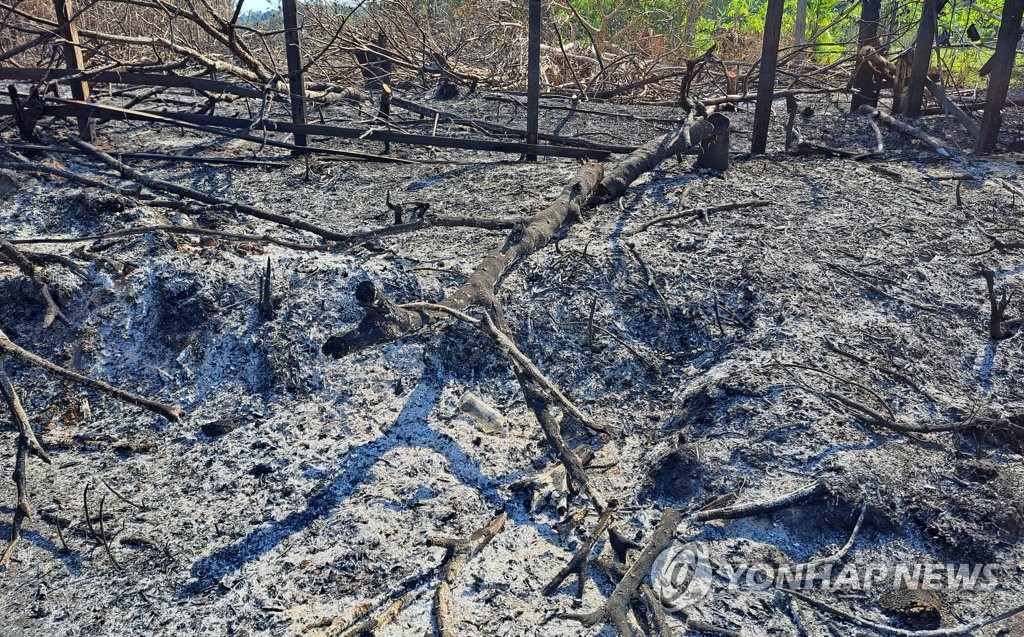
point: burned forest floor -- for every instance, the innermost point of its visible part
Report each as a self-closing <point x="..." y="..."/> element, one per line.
<point x="750" y="351"/>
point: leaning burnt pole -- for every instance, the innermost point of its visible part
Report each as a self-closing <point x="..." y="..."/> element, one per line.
<point x="999" y="68"/>
<point x="766" y="76"/>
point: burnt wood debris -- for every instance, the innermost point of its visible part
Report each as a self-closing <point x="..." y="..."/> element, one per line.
<point x="180" y="145"/>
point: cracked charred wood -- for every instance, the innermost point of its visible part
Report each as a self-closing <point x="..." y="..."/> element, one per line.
<point x="266" y="302"/>
<point x="997" y="306"/>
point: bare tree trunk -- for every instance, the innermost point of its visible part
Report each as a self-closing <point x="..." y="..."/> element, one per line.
<point x="766" y="76"/>
<point x="865" y="85"/>
<point x="1000" y="66"/>
<point x="922" y="57"/>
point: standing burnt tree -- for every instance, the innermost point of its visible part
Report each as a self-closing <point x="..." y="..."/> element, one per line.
<point x="922" y="57"/>
<point x="998" y="68"/>
<point x="865" y="85"/>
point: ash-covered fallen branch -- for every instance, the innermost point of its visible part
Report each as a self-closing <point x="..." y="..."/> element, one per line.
<point x="906" y="129"/>
<point x="698" y="213"/>
<point x="266" y="296"/>
<point x="813" y="565"/>
<point x="197" y="195"/>
<point x="647" y="157"/>
<point x="381" y="619"/>
<point x="167" y="411"/>
<point x="815" y="489"/>
<point x="460" y="551"/>
<point x="27" y="442"/>
<point x="385" y="322"/>
<point x="616" y="609"/>
<point x="29" y="270"/>
<point x="520" y="361"/>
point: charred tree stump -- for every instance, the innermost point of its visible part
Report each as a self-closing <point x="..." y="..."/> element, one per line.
<point x="998" y="68"/>
<point x="865" y="83"/>
<point x="766" y="76"/>
<point x="296" y="85"/>
<point x="922" y="57"/>
<point x="715" y="148"/>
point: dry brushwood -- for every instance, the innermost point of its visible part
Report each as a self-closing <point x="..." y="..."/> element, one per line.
<point x="616" y="609"/>
<point x="27" y="442"/>
<point x="8" y="347"/>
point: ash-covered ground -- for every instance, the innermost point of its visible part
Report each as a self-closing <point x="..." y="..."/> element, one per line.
<point x="300" y="490"/>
